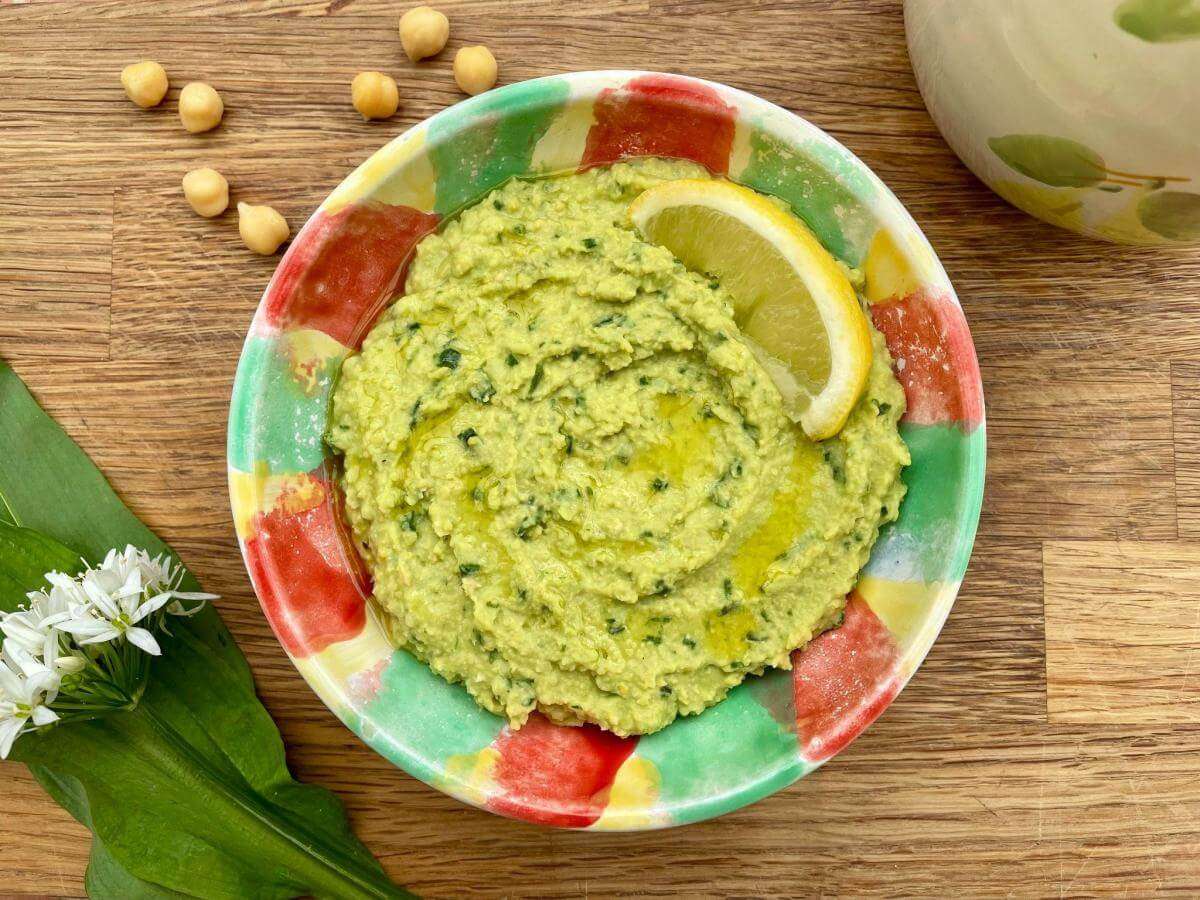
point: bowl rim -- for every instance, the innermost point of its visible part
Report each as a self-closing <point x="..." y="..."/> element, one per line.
<point x="588" y="84"/>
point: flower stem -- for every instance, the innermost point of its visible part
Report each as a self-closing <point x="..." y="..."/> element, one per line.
<point x="318" y="867"/>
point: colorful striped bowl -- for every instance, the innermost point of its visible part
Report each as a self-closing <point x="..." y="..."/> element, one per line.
<point x="349" y="261"/>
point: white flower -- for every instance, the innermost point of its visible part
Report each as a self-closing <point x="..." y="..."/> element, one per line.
<point x="108" y="602"/>
<point x="27" y="688"/>
<point x="26" y="628"/>
<point x="34" y="630"/>
<point x="127" y="596"/>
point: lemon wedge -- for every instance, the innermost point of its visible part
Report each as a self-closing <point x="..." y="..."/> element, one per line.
<point x="793" y="302"/>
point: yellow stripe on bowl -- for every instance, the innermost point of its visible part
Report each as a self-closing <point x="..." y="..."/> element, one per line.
<point x="399" y="174"/>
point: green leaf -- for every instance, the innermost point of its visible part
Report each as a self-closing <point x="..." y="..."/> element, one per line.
<point x="25" y="557"/>
<point x="49" y="484"/>
<point x="1055" y="161"/>
<point x="1172" y="214"/>
<point x="1160" y="21"/>
<point x="105" y="877"/>
<point x="189" y="793"/>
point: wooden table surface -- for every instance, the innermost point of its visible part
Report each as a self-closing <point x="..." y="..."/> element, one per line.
<point x="1049" y="746"/>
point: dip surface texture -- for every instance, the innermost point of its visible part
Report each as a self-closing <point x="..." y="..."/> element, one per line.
<point x="576" y="487"/>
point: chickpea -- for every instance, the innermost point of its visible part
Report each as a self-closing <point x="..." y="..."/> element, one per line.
<point x="374" y="95"/>
<point x="200" y="107"/>
<point x="262" y="228"/>
<point x="207" y="191"/>
<point x="145" y="83"/>
<point x="423" y="32"/>
<point x="475" y="69"/>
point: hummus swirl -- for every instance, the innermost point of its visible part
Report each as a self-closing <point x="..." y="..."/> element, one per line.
<point x="575" y="485"/>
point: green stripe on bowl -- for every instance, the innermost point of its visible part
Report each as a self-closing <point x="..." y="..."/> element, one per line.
<point x="825" y="186"/>
<point x="436" y="719"/>
<point x="273" y="418"/>
<point x="485" y="141"/>
<point x="729" y="755"/>
<point x="932" y="539"/>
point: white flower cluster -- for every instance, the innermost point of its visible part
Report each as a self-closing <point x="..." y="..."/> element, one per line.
<point x="58" y="632"/>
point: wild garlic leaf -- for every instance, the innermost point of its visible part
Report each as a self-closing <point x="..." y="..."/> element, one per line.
<point x="6" y="513"/>
<point x="190" y="793"/>
<point x="51" y="486"/>
<point x="105" y="877"/>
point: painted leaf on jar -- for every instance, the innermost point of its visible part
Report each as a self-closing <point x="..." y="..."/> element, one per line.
<point x="1160" y="21"/>
<point x="1058" y="162"/>
<point x="1173" y="214"/>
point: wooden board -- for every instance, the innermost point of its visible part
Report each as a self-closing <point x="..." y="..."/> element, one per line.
<point x="1122" y="632"/>
<point x="1030" y="756"/>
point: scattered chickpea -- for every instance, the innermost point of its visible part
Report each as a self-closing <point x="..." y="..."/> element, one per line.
<point x="374" y="95"/>
<point x="423" y="32"/>
<point x="145" y="83"/>
<point x="200" y="107"/>
<point x="262" y="228"/>
<point x="207" y="191"/>
<point x="475" y="69"/>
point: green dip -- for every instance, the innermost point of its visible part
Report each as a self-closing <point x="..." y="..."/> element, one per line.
<point x="576" y="487"/>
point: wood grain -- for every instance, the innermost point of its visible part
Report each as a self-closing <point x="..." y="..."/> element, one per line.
<point x="1122" y="632"/>
<point x="1185" y="384"/>
<point x="990" y="775"/>
<point x="54" y="306"/>
<point x="1082" y="444"/>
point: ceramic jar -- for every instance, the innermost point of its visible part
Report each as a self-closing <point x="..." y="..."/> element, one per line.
<point x="1084" y="113"/>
